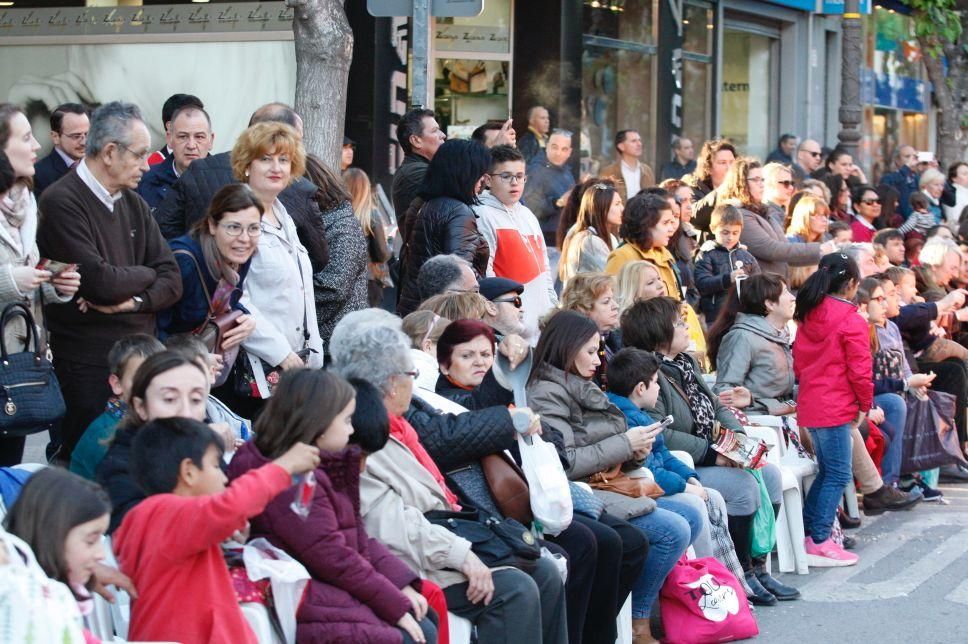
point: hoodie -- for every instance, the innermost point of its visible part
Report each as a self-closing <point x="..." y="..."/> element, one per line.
<point x="832" y="361"/>
<point x="755" y="355"/>
<point x="518" y="253"/>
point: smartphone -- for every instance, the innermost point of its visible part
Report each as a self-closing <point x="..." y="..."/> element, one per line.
<point x="665" y="422"/>
<point x="55" y="267"/>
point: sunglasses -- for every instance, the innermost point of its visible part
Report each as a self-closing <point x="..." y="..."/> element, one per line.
<point x="787" y="183"/>
<point x="870" y="202"/>
<point x="813" y="154"/>
<point x="516" y="301"/>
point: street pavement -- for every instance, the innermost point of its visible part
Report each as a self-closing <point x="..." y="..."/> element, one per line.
<point x="910" y="586"/>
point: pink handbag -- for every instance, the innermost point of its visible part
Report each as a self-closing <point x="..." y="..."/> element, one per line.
<point x="701" y="602"/>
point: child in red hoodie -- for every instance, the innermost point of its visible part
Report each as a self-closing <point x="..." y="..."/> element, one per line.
<point x="169" y="543"/>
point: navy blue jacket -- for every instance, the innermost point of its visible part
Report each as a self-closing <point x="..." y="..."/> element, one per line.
<point x="192" y="309"/>
<point x="713" y="266"/>
<point x="914" y="321"/>
<point x="670" y="473"/>
<point x="48" y="170"/>
<point x="546" y="184"/>
<point x="905" y="181"/>
<point x="154" y="185"/>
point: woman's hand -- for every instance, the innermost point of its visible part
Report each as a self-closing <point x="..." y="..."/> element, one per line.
<point x="418" y="603"/>
<point x="534" y="426"/>
<point x="106" y="575"/>
<point x="641" y="438"/>
<point x="876" y="415"/>
<point x="67" y="282"/>
<point x="919" y="380"/>
<point x="244" y="326"/>
<point x="408" y="624"/>
<point x="292" y="361"/>
<point x="697" y="490"/>
<point x="27" y="278"/>
<point x="722" y="461"/>
<point x="242" y="536"/>
<point x="480" y="584"/>
<point x="739" y="397"/>
<point x="515" y="348"/>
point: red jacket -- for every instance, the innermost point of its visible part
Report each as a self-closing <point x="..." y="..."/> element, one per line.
<point x="354" y="594"/>
<point x="169" y="546"/>
<point x="832" y="361"/>
<point x="861" y="233"/>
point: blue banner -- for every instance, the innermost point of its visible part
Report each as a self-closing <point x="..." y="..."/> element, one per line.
<point x="834" y="7"/>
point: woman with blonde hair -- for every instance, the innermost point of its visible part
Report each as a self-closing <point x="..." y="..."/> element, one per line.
<point x="377" y="246"/>
<point x="809" y="220"/>
<point x="587" y="244"/>
<point x="424" y="328"/>
<point x="458" y="306"/>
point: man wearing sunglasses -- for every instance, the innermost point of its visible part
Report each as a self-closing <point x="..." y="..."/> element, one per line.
<point x="778" y="187"/>
<point x="506" y="315"/>
<point x="809" y="159"/>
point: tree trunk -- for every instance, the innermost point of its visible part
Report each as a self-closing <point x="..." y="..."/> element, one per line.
<point x="324" y="50"/>
<point x="951" y="94"/>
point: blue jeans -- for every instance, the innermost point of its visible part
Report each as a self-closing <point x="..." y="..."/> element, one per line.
<point x="669" y="535"/>
<point x="832" y="446"/>
<point x="895" y="418"/>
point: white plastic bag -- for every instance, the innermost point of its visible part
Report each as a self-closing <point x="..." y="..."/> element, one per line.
<point x="33" y="607"/>
<point x="550" y="495"/>
<point x="287" y="576"/>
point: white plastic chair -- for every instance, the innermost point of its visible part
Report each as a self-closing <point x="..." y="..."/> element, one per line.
<point x="624" y="623"/>
<point x="257" y="616"/>
<point x="460" y="629"/>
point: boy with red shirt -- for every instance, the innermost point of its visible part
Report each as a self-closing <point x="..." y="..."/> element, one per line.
<point x="169" y="543"/>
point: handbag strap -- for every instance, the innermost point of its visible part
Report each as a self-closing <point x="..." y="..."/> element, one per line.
<point x="201" y="276"/>
<point x="19" y="310"/>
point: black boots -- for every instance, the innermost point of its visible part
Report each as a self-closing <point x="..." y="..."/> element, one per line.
<point x="779" y="590"/>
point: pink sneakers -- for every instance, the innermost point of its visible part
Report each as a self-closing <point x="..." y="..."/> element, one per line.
<point x="828" y="554"/>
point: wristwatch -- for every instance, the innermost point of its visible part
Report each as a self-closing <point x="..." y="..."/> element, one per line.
<point x="138" y="302"/>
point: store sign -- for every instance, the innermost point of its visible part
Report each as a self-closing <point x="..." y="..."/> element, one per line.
<point x="238" y="17"/>
<point x="439" y="8"/>
<point x="495" y="40"/>
<point x="836" y="7"/>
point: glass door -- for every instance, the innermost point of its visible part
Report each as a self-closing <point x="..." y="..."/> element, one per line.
<point x="749" y="88"/>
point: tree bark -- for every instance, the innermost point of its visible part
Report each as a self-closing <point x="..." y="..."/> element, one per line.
<point x="951" y="94"/>
<point x="324" y="50"/>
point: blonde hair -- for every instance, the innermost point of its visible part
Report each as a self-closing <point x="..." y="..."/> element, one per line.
<point x="457" y="306"/>
<point x="807" y="207"/>
<point x="361" y="197"/>
<point x="266" y="138"/>
<point x="628" y="280"/>
<point x="424" y="325"/>
<point x="583" y="289"/>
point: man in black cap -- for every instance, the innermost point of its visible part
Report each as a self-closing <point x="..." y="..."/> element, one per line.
<point x="349" y="149"/>
<point x="507" y="314"/>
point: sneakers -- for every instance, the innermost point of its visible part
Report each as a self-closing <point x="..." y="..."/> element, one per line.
<point x="918" y="486"/>
<point x="827" y="554"/>
<point x="889" y="498"/>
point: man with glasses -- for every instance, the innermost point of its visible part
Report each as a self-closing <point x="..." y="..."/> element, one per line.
<point x="550" y="180"/>
<point x="94" y="218"/>
<point x="515" y="238"/>
<point x="629" y="174"/>
<point x="809" y="160"/>
<point x="904" y="178"/>
<point x="506" y="315"/>
<point x="69" y="124"/>
<point x="446" y="274"/>
<point x="190" y="137"/>
<point x="778" y="188"/>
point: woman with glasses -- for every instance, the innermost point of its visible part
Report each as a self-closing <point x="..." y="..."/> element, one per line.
<point x="867" y="208"/>
<point x="278" y="292"/>
<point x="809" y="223"/>
<point x="588" y="243"/>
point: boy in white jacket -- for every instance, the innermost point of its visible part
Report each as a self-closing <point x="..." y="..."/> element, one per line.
<point x="514" y="236"/>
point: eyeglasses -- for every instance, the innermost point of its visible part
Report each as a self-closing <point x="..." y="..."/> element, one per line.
<point x="880" y="299"/>
<point x="681" y="324"/>
<point x="76" y="136"/>
<point x="756" y="179"/>
<point x="516" y="301"/>
<point x="413" y="373"/>
<point x="233" y="229"/>
<point x="507" y="177"/>
<point x="787" y="183"/>
<point x="870" y="202"/>
<point x="140" y="157"/>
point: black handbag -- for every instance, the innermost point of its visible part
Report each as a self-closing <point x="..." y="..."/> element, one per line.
<point x="495" y="541"/>
<point x="31" y="397"/>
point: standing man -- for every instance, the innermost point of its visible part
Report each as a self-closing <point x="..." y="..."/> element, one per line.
<point x="905" y="177"/>
<point x="94" y="218"/>
<point x="191" y="138"/>
<point x="69" y="125"/>
<point x="419" y="137"/>
<point x="550" y="181"/>
<point x="629" y="174"/>
<point x="536" y="138"/>
<point x="778" y="188"/>
<point x="174" y="103"/>
<point x="809" y="159"/>
<point x="683" y="160"/>
<point x="784" y="150"/>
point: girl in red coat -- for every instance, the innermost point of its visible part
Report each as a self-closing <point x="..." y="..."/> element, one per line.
<point x="832" y="360"/>
<point x="359" y="591"/>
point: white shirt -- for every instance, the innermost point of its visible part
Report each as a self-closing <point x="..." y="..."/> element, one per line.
<point x="863" y="222"/>
<point x="633" y="179"/>
<point x="99" y="190"/>
<point x="66" y="157"/>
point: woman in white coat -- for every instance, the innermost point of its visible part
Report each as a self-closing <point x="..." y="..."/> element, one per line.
<point x="279" y="287"/>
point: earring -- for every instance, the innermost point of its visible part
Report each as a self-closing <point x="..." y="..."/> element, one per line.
<point x="247" y="173"/>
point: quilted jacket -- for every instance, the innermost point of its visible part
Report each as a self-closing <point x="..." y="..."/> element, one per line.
<point x="354" y="593"/>
<point x="714" y="266"/>
<point x="188" y="199"/>
<point x="340" y="288"/>
<point x="406" y="184"/>
<point x="443" y="226"/>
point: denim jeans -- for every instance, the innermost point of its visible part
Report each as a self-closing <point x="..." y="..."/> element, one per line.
<point x="895" y="417"/>
<point x="832" y="446"/>
<point x="669" y="535"/>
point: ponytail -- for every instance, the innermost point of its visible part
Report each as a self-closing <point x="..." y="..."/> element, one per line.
<point x="833" y="275"/>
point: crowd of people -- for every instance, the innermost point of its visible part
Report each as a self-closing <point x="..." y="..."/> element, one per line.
<point x="228" y="329"/>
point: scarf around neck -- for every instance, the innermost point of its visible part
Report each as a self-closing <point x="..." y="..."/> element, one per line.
<point x="703" y="412"/>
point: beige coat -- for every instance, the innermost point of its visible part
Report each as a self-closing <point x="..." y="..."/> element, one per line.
<point x="614" y="172"/>
<point x="395" y="492"/>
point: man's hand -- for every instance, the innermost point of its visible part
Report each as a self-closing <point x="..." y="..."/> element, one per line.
<point x="108" y="309"/>
<point x="514" y="348"/>
<point x="506" y="135"/>
<point x="106" y="575"/>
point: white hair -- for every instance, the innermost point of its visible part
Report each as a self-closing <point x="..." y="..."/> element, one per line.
<point x="935" y="250"/>
<point x="370" y="345"/>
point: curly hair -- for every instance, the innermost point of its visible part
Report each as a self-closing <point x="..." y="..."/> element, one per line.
<point x="736" y="184"/>
<point x="583" y="289"/>
<point x="707" y="155"/>
<point x="642" y="213"/>
<point x="267" y="138"/>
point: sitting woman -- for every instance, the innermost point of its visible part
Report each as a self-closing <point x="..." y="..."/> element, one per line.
<point x="214" y="258"/>
<point x="588" y="243"/>
<point x="369" y="345"/>
<point x="809" y="221"/>
<point x="596" y="439"/>
<point x="593" y="294"/>
<point x="424" y="329"/>
<point x="358" y="590"/>
<point x="657" y="325"/>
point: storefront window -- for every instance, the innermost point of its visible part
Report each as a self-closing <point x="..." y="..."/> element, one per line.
<point x="747" y="91"/>
<point x="697" y="43"/>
